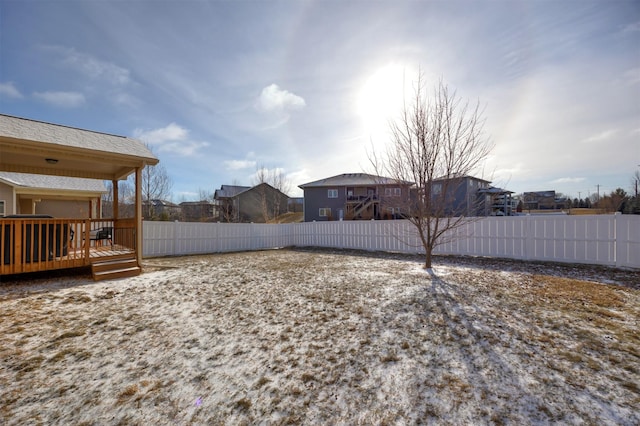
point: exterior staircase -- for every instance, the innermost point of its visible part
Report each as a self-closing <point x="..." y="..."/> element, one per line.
<point x="119" y="267"/>
<point x="366" y="203"/>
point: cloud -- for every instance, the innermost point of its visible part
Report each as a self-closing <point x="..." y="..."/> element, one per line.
<point x="599" y="137"/>
<point x="99" y="77"/>
<point x="92" y="67"/>
<point x="569" y="180"/>
<point x="172" y="138"/>
<point x="631" y="28"/>
<point x="172" y="132"/>
<point x="239" y="164"/>
<point x="61" y="99"/>
<point x="272" y="98"/>
<point x="632" y="76"/>
<point x="9" y="90"/>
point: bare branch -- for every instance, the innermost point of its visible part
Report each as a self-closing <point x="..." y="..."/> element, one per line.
<point x="437" y="141"/>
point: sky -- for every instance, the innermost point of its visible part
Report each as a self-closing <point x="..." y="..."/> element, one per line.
<point x="218" y="89"/>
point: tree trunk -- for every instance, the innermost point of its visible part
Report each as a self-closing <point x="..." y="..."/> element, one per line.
<point x="427" y="258"/>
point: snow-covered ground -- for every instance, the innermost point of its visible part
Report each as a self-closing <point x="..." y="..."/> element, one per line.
<point x="322" y="337"/>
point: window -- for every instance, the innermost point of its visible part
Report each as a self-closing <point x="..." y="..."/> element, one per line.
<point x="437" y="188"/>
<point x="325" y="212"/>
<point x="332" y="193"/>
<point x="393" y="192"/>
<point x="2" y="213"/>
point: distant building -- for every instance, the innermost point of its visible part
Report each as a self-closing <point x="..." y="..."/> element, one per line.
<point x="161" y="210"/>
<point x="258" y="204"/>
<point x="543" y="200"/>
<point x="197" y="211"/>
<point x="471" y="196"/>
<point x="355" y="196"/>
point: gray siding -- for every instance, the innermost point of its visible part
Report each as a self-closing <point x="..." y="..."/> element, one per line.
<point x="317" y="198"/>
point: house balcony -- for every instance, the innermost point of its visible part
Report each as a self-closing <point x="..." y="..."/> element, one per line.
<point x="361" y="207"/>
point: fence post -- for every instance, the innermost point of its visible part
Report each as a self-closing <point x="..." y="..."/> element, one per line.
<point x="174" y="242"/>
<point x="616" y="240"/>
<point x="529" y="240"/>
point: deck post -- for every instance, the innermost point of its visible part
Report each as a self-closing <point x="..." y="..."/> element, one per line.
<point x="115" y="201"/>
<point x="138" y="215"/>
<point x="87" y="239"/>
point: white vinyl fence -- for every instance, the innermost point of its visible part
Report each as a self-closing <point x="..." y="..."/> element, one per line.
<point x="612" y="240"/>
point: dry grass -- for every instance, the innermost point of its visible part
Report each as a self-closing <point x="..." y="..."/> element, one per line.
<point x="319" y="337"/>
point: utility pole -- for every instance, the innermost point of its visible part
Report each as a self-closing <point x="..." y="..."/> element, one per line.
<point x="598" y="199"/>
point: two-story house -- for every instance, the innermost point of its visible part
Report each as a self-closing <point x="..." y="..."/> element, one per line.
<point x="470" y="196"/>
<point x="355" y="196"/>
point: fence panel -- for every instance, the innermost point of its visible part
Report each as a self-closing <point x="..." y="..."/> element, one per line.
<point x="627" y="241"/>
<point x="599" y="239"/>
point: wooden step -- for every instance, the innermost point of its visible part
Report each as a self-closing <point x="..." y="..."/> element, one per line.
<point x="115" y="268"/>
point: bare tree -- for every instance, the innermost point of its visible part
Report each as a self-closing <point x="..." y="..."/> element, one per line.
<point x="156" y="185"/>
<point x="270" y="200"/>
<point x="633" y="206"/>
<point x="126" y="200"/>
<point x="435" y="143"/>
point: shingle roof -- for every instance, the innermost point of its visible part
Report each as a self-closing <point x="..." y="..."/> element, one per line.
<point x="46" y="182"/>
<point x="353" y="179"/>
<point x="228" y="191"/>
<point x="443" y="178"/>
<point x="24" y="128"/>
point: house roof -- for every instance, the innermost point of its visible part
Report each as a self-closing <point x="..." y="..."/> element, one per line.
<point x="353" y="179"/>
<point x="229" y="191"/>
<point x="156" y="202"/>
<point x="52" y="183"/>
<point x="494" y="190"/>
<point x="549" y="193"/>
<point x="461" y="177"/>
<point x="197" y="203"/>
<point x="30" y="146"/>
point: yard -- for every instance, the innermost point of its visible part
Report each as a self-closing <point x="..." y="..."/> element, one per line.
<point x="324" y="337"/>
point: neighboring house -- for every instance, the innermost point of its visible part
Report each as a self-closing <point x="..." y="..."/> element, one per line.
<point x="161" y="209"/>
<point x="258" y="204"/>
<point x="225" y="202"/>
<point x="543" y="200"/>
<point x="497" y="202"/>
<point x="355" y="196"/>
<point x="57" y="196"/>
<point x="197" y="211"/>
<point x="471" y="196"/>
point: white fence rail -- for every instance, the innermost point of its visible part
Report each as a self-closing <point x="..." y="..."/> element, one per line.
<point x="612" y="240"/>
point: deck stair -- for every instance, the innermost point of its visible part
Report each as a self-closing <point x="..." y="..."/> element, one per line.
<point x="366" y="203"/>
<point x="121" y="267"/>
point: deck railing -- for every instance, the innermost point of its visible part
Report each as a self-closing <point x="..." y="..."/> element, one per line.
<point x="38" y="244"/>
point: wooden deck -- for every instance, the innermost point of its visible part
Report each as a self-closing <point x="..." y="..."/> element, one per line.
<point x="34" y="245"/>
<point x="104" y="253"/>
